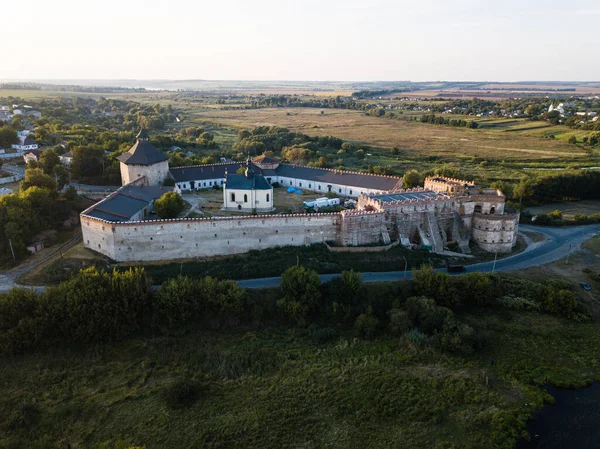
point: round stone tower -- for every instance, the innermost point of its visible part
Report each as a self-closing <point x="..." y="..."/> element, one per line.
<point x="144" y="160"/>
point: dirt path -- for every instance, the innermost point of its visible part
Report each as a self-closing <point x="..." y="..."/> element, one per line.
<point x="11" y="277"/>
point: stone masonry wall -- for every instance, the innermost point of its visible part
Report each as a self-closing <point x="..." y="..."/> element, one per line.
<point x="155" y="174"/>
<point x="496" y="233"/>
<point x="190" y="238"/>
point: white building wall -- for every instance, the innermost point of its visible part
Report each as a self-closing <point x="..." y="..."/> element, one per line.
<point x="297" y="183"/>
<point x="248" y="200"/>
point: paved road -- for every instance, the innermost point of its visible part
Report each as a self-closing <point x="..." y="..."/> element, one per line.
<point x="559" y="242"/>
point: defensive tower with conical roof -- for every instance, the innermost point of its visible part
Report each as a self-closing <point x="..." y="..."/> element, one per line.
<point x="144" y="160"/>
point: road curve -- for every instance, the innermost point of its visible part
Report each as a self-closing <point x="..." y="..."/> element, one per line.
<point x="558" y="243"/>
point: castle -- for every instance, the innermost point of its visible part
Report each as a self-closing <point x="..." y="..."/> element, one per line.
<point x="444" y="211"/>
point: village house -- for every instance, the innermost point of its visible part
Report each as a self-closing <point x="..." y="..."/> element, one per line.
<point x="26" y="142"/>
<point x="66" y="159"/>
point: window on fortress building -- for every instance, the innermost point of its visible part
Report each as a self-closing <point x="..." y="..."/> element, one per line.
<point x="233" y="197"/>
<point x="350" y="192"/>
<point x="492" y="210"/>
<point x="340" y="190"/>
<point x="268" y="198"/>
<point x="319" y="187"/>
<point x="300" y="184"/>
<point x="245" y="198"/>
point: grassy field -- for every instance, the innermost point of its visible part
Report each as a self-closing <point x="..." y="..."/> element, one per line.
<point x="415" y="139"/>
<point x="279" y="388"/>
<point x="585" y="207"/>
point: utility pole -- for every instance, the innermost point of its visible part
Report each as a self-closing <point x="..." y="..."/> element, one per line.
<point x="495" y="257"/>
<point x="12" y="250"/>
<point x="405" y="266"/>
<point x="297" y="260"/>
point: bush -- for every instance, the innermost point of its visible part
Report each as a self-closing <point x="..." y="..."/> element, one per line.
<point x="366" y="325"/>
<point x="182" y="299"/>
<point x="301" y="290"/>
<point x="181" y="393"/>
<point x="400" y="322"/>
<point x="101" y="306"/>
<point x="513" y="302"/>
<point x="438" y="286"/>
<point x="18" y="325"/>
<point x="343" y="295"/>
<point x="417" y="337"/>
<point x="322" y="334"/>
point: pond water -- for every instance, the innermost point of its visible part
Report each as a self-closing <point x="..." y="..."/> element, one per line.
<point x="572" y="423"/>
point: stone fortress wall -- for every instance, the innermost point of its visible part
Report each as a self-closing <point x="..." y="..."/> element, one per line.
<point x="435" y="222"/>
<point x="447" y="210"/>
<point x="443" y="219"/>
<point x="133" y="241"/>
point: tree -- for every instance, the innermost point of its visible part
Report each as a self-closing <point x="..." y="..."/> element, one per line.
<point x="411" y="179"/>
<point x="61" y="176"/>
<point x="524" y="189"/>
<point x="35" y="177"/>
<point x="87" y="162"/>
<point x="48" y="160"/>
<point x="301" y="289"/>
<point x="573" y="140"/>
<point x="8" y="136"/>
<point x="170" y="205"/>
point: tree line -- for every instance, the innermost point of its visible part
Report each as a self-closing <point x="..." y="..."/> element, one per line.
<point x="96" y="305"/>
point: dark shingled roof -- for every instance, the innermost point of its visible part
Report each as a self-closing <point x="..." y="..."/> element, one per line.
<point x="264" y="159"/>
<point x="217" y="171"/>
<point x="28" y="141"/>
<point x="202" y="172"/>
<point x="126" y="202"/>
<point x="143" y="152"/>
<point x="339" y="177"/>
<point x="242" y="182"/>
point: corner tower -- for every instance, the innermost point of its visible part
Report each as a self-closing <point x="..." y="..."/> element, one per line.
<point x="144" y="160"/>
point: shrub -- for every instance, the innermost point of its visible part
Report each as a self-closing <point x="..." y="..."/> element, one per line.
<point x="400" y="321"/>
<point x="513" y="302"/>
<point x="101" y="306"/>
<point x="417" y="337"/>
<point x="343" y="294"/>
<point x="476" y="288"/>
<point x="438" y="286"/>
<point x="322" y="334"/>
<point x="301" y="290"/>
<point x="366" y="325"/>
<point x="182" y="299"/>
<point x="18" y="327"/>
<point x="181" y="393"/>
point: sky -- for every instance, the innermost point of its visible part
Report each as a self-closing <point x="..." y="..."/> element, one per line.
<point x="343" y="40"/>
